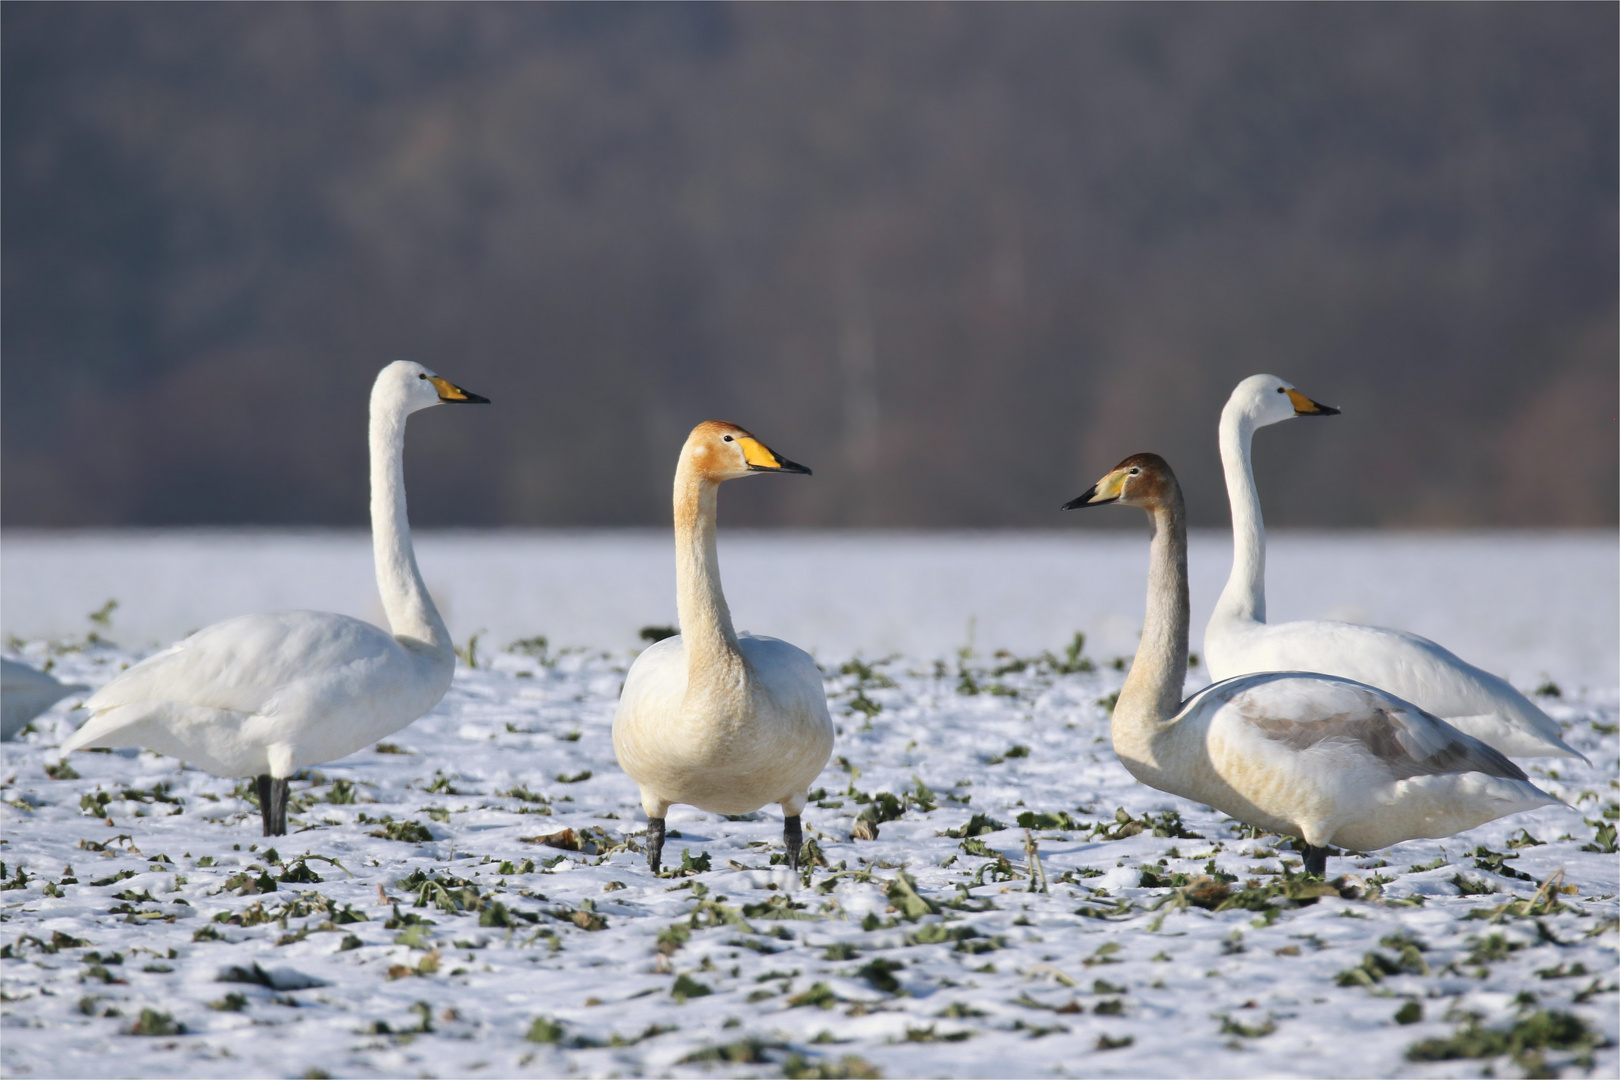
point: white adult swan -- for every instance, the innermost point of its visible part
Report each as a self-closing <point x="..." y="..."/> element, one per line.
<point x="708" y="718"/>
<point x="266" y="695"/>
<point x="1315" y="756"/>
<point x="1238" y="639"/>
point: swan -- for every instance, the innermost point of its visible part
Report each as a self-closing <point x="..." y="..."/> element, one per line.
<point x="266" y="695"/>
<point x="25" y="692"/>
<point x="1238" y="639"/>
<point x="710" y="718"/>
<point x="1327" y="759"/>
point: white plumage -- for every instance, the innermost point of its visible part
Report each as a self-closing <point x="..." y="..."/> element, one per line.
<point x="1238" y="640"/>
<point x="709" y="718"/>
<point x="266" y="695"/>
<point x="1324" y="758"/>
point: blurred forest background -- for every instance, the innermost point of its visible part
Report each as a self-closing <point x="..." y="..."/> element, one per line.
<point x="960" y="259"/>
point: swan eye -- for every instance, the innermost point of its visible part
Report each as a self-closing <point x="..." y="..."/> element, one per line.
<point x="1135" y="470"/>
<point x="424" y="376"/>
<point x="726" y="437"/>
<point x="1282" y="390"/>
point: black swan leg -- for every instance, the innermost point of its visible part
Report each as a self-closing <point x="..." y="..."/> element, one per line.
<point x="273" y="804"/>
<point x="280" y="791"/>
<point x="655" y="843"/>
<point x="793" y="838"/>
<point x="1316" y="860"/>
<point x="266" y="810"/>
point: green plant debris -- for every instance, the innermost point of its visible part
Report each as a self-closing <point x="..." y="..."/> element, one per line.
<point x="848" y="1067"/>
<point x="908" y="903"/>
<point x="748" y="1051"/>
<point x="977" y="825"/>
<point x="820" y="995"/>
<point x="880" y="974"/>
<point x="1526" y="1041"/>
<point x="929" y="1035"/>
<point x="1247" y="1031"/>
<point x="408" y="832"/>
<point x="687" y="987"/>
<point x="152" y="1022"/>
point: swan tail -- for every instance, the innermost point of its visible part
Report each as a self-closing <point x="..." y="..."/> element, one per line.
<point x="107" y="728"/>
<point x="1523" y="740"/>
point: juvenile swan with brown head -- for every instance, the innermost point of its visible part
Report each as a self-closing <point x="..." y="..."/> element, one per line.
<point x="1315" y="756"/>
<point x="710" y="718"/>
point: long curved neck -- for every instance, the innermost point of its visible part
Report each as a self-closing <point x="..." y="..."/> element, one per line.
<point x="1245" y="594"/>
<point x="706" y="631"/>
<point x="1152" y="691"/>
<point x="410" y="610"/>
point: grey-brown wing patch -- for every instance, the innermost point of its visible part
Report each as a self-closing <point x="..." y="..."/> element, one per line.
<point x="1407" y="740"/>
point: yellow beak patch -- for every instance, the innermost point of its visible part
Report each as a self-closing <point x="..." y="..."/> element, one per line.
<point x="448" y="391"/>
<point x="1303" y="406"/>
<point x="1110" y="486"/>
<point x="758" y="454"/>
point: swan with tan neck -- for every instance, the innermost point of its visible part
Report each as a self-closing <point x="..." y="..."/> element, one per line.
<point x="1326" y="759"/>
<point x="266" y="695"/>
<point x="709" y="718"/>
<point x="1238" y="639"/>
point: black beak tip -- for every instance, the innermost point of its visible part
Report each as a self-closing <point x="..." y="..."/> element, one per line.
<point x="1082" y="500"/>
<point x="1328" y="410"/>
<point x="475" y="399"/>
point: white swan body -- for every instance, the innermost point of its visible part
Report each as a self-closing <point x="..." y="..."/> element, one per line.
<point x="1327" y="759"/>
<point x="708" y="718"/>
<point x="25" y="692"/>
<point x="269" y="694"/>
<point x="1238" y="640"/>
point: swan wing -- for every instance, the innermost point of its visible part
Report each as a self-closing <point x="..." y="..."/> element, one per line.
<point x="319" y="684"/>
<point x="243" y="664"/>
<point x="1411" y="667"/>
<point x="1305" y="710"/>
<point x="790" y="674"/>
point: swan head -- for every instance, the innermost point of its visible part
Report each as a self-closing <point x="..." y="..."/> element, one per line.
<point x="409" y="385"/>
<point x="721" y="451"/>
<point x="1266" y="399"/>
<point x="1143" y="480"/>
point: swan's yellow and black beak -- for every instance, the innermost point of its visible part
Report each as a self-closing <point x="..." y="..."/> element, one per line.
<point x="1304" y="406"/>
<point x="762" y="458"/>
<point x="1101" y="493"/>
<point x="451" y="394"/>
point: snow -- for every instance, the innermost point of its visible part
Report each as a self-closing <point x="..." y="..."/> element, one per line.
<point x="860" y="976"/>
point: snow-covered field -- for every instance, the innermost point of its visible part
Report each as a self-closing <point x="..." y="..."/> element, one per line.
<point x="471" y="898"/>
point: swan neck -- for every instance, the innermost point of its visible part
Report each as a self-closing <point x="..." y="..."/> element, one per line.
<point x="706" y="629"/>
<point x="410" y="610"/>
<point x="1152" y="690"/>
<point x="1245" y="594"/>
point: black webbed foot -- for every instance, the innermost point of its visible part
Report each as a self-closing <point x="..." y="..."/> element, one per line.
<point x="1316" y="860"/>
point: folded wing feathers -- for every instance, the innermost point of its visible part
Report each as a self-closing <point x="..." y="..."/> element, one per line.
<point x="1406" y="740"/>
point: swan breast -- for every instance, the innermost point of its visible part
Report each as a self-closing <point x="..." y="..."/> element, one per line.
<point x="726" y="752"/>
